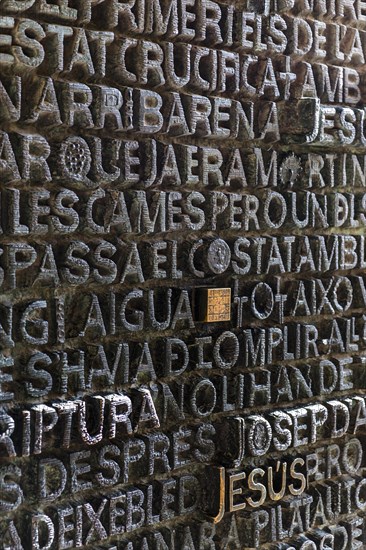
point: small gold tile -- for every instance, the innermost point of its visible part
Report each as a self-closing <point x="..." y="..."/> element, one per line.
<point x="212" y="305"/>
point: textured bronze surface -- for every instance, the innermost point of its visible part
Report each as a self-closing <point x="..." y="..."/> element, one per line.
<point x="182" y="274"/>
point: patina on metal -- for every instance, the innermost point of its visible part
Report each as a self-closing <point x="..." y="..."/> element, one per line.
<point x="182" y="274"/>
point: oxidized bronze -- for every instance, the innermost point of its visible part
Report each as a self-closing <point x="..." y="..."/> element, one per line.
<point x="182" y="274"/>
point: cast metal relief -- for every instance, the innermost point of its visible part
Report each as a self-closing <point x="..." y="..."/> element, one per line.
<point x="182" y="274"/>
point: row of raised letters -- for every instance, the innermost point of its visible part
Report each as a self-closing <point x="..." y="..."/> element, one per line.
<point x="134" y="507"/>
<point x="280" y="522"/>
<point x="115" y="413"/>
<point x="199" y="536"/>
<point x="252" y="488"/>
<point x="182" y="397"/>
<point x="58" y="374"/>
<point x="40" y="322"/>
<point x="279" y="430"/>
<point x="194" y="115"/>
<point x="126" y="460"/>
<point x="184" y="18"/>
<point x="84" y="163"/>
<point x="258" y="434"/>
<point x="204" y="70"/>
<point x="68" y="422"/>
<point x="47" y="321"/>
<point x="121" y="463"/>
<point x="98" y="262"/>
<point x="117" y="513"/>
<point x="312" y="469"/>
<point x="148" y="112"/>
<point x="246" y="31"/>
<point x="40" y="211"/>
<point x="301" y="298"/>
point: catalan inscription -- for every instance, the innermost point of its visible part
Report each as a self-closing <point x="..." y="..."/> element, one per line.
<point x="182" y="274"/>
